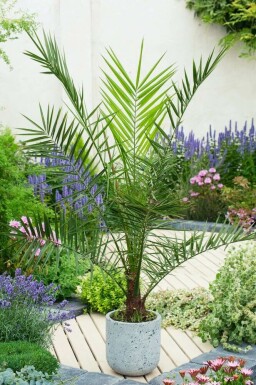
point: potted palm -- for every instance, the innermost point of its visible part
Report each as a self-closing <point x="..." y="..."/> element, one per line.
<point x="119" y="148"/>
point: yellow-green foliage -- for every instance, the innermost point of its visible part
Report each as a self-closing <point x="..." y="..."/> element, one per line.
<point x="102" y="292"/>
<point x="238" y="16"/>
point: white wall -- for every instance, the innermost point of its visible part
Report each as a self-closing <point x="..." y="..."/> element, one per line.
<point x="86" y="27"/>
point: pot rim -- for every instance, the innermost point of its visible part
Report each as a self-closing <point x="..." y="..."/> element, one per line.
<point x="158" y="318"/>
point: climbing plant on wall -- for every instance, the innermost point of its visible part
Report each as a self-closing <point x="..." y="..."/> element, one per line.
<point x="12" y="23"/>
<point x="238" y="16"/>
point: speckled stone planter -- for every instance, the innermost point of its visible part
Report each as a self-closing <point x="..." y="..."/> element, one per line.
<point x="133" y="349"/>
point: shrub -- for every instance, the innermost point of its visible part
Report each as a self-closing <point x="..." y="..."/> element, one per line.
<point x="27" y="376"/>
<point x="17" y="196"/>
<point x="25" y="309"/>
<point x="205" y="196"/>
<point x="16" y="355"/>
<point x="66" y="274"/>
<point x="101" y="292"/>
<point x="232" y="318"/>
<point x="181" y="308"/>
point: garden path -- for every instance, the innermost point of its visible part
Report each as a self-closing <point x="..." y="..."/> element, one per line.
<point x="84" y="347"/>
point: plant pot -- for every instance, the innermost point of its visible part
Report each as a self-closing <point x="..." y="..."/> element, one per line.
<point x="133" y="349"/>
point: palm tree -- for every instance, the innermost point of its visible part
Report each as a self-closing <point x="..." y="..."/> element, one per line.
<point x="119" y="145"/>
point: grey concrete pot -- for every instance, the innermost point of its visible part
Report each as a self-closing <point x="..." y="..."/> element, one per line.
<point x="133" y="349"/>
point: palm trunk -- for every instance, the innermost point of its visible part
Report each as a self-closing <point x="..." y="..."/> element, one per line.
<point x="135" y="304"/>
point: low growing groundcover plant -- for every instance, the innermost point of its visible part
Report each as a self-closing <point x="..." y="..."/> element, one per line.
<point x="26" y="313"/>
<point x="26" y="376"/>
<point x="17" y="354"/>
<point x="220" y="371"/>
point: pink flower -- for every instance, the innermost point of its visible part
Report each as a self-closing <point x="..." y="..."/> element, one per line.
<point x="15" y="224"/>
<point x="212" y="187"/>
<point x="207" y="180"/>
<point x="25" y="220"/>
<point x="212" y="170"/>
<point x="202" y="379"/>
<point x="37" y="253"/>
<point x="233" y="364"/>
<point x="192" y="180"/>
<point x="248" y="382"/>
<point x="220" y="185"/>
<point x="194" y="194"/>
<point x="229" y="379"/>
<point x="23" y="230"/>
<point x="200" y="183"/>
<point x="185" y="199"/>
<point x="246" y="372"/>
<point x="168" y="381"/>
<point x="203" y="173"/>
<point x="42" y="242"/>
<point x="216" y="177"/>
<point x="193" y="372"/>
<point x="216" y="364"/>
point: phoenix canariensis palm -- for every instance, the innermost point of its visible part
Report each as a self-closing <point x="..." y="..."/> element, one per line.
<point x="119" y="146"/>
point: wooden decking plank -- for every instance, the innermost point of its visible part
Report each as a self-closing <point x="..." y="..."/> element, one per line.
<point x="198" y="280"/>
<point x="100" y="322"/>
<point x="177" y="283"/>
<point x="195" y="274"/>
<point x="209" y="274"/>
<point x="172" y="349"/>
<point x="81" y="349"/>
<point x="208" y="263"/>
<point x="165" y="363"/>
<point x="183" y="277"/>
<point x="63" y="349"/>
<point x="95" y="341"/>
<point x="184" y="341"/>
<point x="205" y="347"/>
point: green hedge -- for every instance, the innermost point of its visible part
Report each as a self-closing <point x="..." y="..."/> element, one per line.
<point x="17" y="354"/>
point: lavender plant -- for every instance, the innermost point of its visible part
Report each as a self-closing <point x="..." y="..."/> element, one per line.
<point x="26" y="312"/>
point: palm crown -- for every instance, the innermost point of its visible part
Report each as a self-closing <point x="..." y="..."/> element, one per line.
<point x="118" y="145"/>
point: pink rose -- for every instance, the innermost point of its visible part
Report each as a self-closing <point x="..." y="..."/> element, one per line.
<point x="216" y="177"/>
<point x="207" y="180"/>
<point x="212" y="170"/>
<point x="203" y="173"/>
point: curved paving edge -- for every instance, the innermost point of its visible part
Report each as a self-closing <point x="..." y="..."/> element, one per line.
<point x="73" y="376"/>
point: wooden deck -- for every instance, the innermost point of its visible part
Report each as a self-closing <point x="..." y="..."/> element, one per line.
<point x="84" y="347"/>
